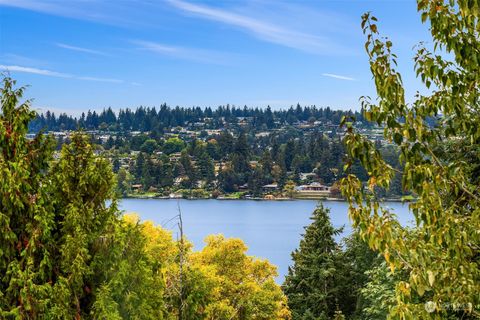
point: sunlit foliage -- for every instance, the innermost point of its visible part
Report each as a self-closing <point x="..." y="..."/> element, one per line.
<point x="67" y="253"/>
<point x="441" y="164"/>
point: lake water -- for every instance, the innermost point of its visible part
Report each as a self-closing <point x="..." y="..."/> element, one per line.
<point x="270" y="229"/>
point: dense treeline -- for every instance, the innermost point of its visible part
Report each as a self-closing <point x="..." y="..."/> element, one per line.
<point x="153" y="119"/>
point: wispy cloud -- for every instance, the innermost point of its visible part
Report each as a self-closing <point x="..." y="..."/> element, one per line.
<point x="100" y="79"/>
<point x="289" y="24"/>
<point x="336" y="76"/>
<point x="42" y="72"/>
<point x="193" y="54"/>
<point x="270" y="32"/>
<point x="50" y="73"/>
<point x="97" y="11"/>
<point x="16" y="59"/>
<point x="80" y="49"/>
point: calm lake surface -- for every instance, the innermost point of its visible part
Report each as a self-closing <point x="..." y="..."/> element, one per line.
<point x="270" y="229"/>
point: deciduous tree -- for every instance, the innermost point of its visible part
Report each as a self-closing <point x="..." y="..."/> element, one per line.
<point x="441" y="257"/>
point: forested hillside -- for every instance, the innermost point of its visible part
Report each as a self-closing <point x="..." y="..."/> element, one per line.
<point x="226" y="151"/>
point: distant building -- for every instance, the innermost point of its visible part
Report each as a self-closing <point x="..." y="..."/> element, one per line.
<point x="313" y="190"/>
<point x="137" y="187"/>
<point x="214" y="132"/>
<point x="262" y="134"/>
<point x="305" y="176"/>
<point x="270" y="187"/>
<point x="314" y="186"/>
<point x="243" y="187"/>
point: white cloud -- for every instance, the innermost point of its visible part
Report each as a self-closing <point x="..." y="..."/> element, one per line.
<point x="16" y="59"/>
<point x="50" y="73"/>
<point x="157" y="47"/>
<point x="288" y="24"/>
<point x="80" y="49"/>
<point x="193" y="54"/>
<point x="100" y="79"/>
<point x="97" y="11"/>
<point x="336" y="76"/>
<point x="42" y="72"/>
<point x="263" y="30"/>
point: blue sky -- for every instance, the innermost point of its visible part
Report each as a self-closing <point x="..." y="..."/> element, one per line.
<point x="85" y="54"/>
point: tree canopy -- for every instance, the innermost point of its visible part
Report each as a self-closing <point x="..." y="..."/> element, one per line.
<point x="311" y="284"/>
<point x="441" y="163"/>
<point x="67" y="252"/>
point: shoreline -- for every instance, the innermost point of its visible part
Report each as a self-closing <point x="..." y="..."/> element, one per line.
<point x="252" y="199"/>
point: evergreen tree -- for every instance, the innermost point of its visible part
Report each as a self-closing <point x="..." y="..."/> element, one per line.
<point x="289" y="154"/>
<point x="255" y="181"/>
<point x="226" y="144"/>
<point x="267" y="165"/>
<point x="310" y="285"/>
<point x="352" y="265"/>
<point x="81" y="185"/>
<point x="149" y="174"/>
<point x="227" y="180"/>
<point x="166" y="172"/>
<point x="110" y="143"/>
<point x="57" y="231"/>
<point x="190" y="170"/>
<point x="139" y="166"/>
<point x="116" y="165"/>
<point x="26" y="213"/>
<point x="206" y="167"/>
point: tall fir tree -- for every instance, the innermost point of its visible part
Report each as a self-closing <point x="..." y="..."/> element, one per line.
<point x="311" y="285"/>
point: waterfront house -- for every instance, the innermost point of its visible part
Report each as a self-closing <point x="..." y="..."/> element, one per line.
<point x="313" y="190"/>
<point x="314" y="186"/>
<point x="270" y="187"/>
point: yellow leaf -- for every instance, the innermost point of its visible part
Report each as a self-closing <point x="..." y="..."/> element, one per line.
<point x="431" y="277"/>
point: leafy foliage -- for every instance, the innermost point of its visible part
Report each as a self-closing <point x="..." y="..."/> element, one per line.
<point x="378" y="295"/>
<point x="66" y="253"/>
<point x="244" y="286"/>
<point x="441" y="255"/>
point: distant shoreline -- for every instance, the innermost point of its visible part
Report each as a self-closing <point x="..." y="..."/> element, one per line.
<point x="253" y="199"/>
